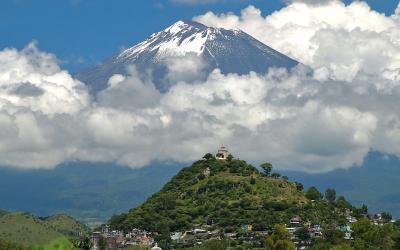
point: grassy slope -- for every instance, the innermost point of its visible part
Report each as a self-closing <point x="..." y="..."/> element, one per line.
<point x="66" y="225"/>
<point x="26" y="229"/>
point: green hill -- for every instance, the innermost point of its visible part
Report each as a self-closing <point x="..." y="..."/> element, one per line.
<point x="67" y="225"/>
<point x="227" y="194"/>
<point x="27" y="229"/>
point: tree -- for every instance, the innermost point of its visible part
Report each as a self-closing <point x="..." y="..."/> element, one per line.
<point x="275" y="175"/>
<point x="279" y="239"/>
<point x="215" y="245"/>
<point x="343" y="203"/>
<point x="387" y="217"/>
<point x="101" y="244"/>
<point x="364" y="209"/>
<point x="166" y="201"/>
<point x="396" y="239"/>
<point x="342" y="247"/>
<point x="267" y="168"/>
<point x="84" y="244"/>
<point x="299" y="186"/>
<point x="302" y="234"/>
<point x="362" y="229"/>
<point x="387" y="243"/>
<point x="284" y="245"/>
<point x="332" y="235"/>
<point x="208" y="156"/>
<point x="313" y="194"/>
<point x="117" y="220"/>
<point x="330" y="195"/>
<point x="164" y="237"/>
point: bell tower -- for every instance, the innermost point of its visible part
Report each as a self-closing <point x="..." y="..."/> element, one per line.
<point x="222" y="153"/>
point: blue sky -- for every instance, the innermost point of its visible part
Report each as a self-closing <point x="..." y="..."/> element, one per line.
<point x="83" y="32"/>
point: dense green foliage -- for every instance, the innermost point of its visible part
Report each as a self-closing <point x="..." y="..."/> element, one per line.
<point x="211" y="245"/>
<point x="330" y="195"/>
<point x="375" y="182"/>
<point x="313" y="194"/>
<point x="61" y="243"/>
<point x="367" y="236"/>
<point x="279" y="239"/>
<point x="225" y="194"/>
<point x="64" y="243"/>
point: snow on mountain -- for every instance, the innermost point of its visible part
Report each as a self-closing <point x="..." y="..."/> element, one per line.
<point x="177" y="40"/>
<point x="232" y="51"/>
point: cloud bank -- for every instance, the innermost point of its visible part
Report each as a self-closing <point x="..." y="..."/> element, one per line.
<point x="347" y="39"/>
<point x="311" y="120"/>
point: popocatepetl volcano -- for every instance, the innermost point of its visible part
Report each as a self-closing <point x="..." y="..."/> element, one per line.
<point x="232" y="51"/>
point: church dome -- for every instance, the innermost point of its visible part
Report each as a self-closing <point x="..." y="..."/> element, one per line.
<point x="156" y="247"/>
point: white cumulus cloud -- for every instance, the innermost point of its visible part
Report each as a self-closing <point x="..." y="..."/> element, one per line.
<point x="345" y="38"/>
<point x="312" y="120"/>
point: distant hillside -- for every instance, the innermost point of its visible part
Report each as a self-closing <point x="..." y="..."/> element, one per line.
<point x="91" y="192"/>
<point x="66" y="225"/>
<point x="27" y="229"/>
<point x="224" y="193"/>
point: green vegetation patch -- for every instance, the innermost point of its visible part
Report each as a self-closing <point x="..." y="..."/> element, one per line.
<point x="27" y="229"/>
<point x="224" y="194"/>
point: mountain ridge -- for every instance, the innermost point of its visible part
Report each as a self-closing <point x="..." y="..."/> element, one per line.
<point x="91" y="192"/>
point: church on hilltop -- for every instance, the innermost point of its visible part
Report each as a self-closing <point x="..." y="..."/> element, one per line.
<point x="222" y="153"/>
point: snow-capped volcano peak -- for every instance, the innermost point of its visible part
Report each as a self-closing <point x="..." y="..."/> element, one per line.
<point x="177" y="40"/>
<point x="184" y="25"/>
<point x="232" y="51"/>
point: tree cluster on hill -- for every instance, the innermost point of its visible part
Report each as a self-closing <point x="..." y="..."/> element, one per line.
<point x="232" y="194"/>
<point x="225" y="195"/>
<point x="366" y="236"/>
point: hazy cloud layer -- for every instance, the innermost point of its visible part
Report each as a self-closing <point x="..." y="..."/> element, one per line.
<point x="306" y="120"/>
